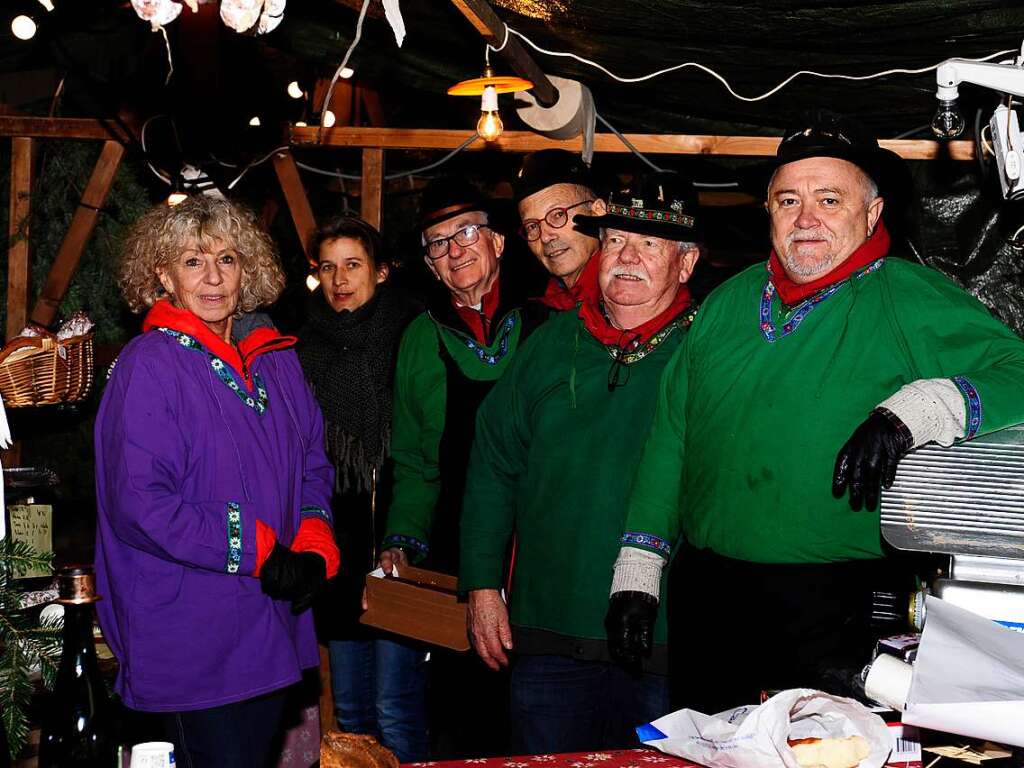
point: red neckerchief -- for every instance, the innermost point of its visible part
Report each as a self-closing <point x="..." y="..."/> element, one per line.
<point x="594" y="320"/>
<point x="474" y="318"/>
<point x="560" y="297"/>
<point x="163" y="314"/>
<point x="875" y="247"/>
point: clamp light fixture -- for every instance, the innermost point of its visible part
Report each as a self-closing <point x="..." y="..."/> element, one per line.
<point x="487" y="87"/>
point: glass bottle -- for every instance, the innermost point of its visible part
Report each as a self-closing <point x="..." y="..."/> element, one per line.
<point x="78" y="728"/>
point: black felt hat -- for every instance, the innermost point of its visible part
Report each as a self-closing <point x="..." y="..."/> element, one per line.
<point x="446" y="197"/>
<point x="827" y="134"/>
<point x="662" y="204"/>
<point x="547" y="167"/>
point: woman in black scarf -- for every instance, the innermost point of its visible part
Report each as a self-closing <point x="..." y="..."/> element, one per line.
<point x="347" y="349"/>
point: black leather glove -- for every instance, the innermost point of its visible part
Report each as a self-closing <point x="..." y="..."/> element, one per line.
<point x="294" y="576"/>
<point x="630" y="627"/>
<point x="868" y="461"/>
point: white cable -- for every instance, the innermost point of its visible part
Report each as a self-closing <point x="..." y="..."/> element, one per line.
<point x="723" y="81"/>
<point x="344" y="61"/>
<point x="142" y="142"/>
<point x="504" y="42"/>
<point x="254" y="163"/>
<point x="393" y="176"/>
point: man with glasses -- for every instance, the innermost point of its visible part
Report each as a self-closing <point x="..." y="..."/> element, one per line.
<point x="556" y="447"/>
<point x="449" y="358"/>
<point x="551" y="188"/>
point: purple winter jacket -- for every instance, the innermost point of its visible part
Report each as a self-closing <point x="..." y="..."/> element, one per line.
<point x="187" y="459"/>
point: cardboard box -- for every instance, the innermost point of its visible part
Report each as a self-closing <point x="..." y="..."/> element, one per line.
<point x="422" y="604"/>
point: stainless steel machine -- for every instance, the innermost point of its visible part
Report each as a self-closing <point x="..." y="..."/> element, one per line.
<point x="967" y="502"/>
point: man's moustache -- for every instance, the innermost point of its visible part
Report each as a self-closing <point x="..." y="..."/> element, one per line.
<point x="799" y="237"/>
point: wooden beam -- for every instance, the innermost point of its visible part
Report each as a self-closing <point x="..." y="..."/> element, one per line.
<point x="493" y="30"/>
<point x="327" y="718"/>
<point x="371" y="187"/>
<point x="17" y="235"/>
<point x="82" y="224"/>
<point x="295" y="197"/>
<point x="655" y="144"/>
<point x="55" y="128"/>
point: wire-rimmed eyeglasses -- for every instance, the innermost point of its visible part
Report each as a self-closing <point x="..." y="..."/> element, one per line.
<point x="618" y="374"/>
<point x="556" y="218"/>
<point x="465" y="237"/>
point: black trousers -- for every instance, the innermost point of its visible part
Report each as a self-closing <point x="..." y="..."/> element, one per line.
<point x="245" y="734"/>
<point x="738" y="628"/>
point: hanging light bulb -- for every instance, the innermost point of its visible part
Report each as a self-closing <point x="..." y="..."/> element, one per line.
<point x="328" y="119"/>
<point x="255" y="121"/>
<point x="312" y="282"/>
<point x="23" y="27"/>
<point x="295" y="90"/>
<point x="489" y="126"/>
<point x="177" y="196"/>
<point x="346" y="73"/>
<point x="300" y="123"/>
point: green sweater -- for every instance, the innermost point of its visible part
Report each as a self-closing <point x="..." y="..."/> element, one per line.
<point x="419" y="418"/>
<point x="741" y="453"/>
<point x="553" y="461"/>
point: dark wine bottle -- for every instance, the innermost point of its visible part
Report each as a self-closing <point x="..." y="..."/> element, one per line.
<point x="78" y="726"/>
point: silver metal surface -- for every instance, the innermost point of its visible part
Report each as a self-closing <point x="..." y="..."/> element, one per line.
<point x="964" y="500"/>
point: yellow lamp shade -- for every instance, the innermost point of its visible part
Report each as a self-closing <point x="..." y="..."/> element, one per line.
<point x="502" y="84"/>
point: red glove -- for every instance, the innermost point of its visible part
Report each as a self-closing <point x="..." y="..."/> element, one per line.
<point x="265" y="540"/>
<point x="316" y="536"/>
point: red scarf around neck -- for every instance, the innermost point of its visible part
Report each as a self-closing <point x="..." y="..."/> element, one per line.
<point x="594" y="319"/>
<point x="558" y="296"/>
<point x="875" y="247"/>
<point x="163" y="314"/>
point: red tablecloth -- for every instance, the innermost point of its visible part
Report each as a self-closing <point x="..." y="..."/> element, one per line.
<point x="616" y="758"/>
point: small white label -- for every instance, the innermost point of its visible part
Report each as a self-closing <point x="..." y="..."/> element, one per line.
<point x="63" y="352"/>
<point x="906" y="747"/>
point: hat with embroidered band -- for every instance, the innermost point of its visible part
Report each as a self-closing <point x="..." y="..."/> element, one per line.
<point x="661" y="204"/>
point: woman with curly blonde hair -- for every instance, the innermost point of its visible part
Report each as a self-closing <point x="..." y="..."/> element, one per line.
<point x="214" y="527"/>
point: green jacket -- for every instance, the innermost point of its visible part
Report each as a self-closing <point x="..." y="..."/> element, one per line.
<point x="553" y="461"/>
<point x="438" y="360"/>
<point x="742" y="450"/>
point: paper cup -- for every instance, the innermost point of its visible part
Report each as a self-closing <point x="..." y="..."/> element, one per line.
<point x="153" y="754"/>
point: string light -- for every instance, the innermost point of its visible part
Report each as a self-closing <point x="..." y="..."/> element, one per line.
<point x="328" y="119"/>
<point x="255" y="121"/>
<point x="295" y="90"/>
<point x="312" y="282"/>
<point x="23" y="27"/>
<point x="346" y="73"/>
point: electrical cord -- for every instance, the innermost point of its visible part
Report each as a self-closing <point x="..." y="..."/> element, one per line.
<point x="723" y="81"/>
<point x="344" y="61"/>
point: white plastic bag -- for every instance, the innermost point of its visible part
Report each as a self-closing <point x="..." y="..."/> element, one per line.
<point x="757" y="736"/>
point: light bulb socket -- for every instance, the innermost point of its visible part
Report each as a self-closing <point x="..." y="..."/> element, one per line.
<point x="489" y="99"/>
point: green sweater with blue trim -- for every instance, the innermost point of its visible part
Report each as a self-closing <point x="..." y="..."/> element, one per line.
<point x="742" y="449"/>
<point x="553" y="460"/>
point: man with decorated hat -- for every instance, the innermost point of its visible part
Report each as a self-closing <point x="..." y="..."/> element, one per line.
<point x="799" y="387"/>
<point x="554" y="186"/>
<point x="557" y="443"/>
<point x="449" y="358"/>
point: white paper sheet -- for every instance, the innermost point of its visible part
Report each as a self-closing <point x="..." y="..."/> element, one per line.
<point x="968" y="677"/>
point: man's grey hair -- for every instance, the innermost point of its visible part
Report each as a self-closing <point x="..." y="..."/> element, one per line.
<point x="423" y="234"/>
<point x="869" y="184"/>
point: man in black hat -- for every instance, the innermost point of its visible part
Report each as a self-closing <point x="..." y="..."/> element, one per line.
<point x="552" y="187"/>
<point x="557" y="443"/>
<point x="449" y="358"/>
<point x="800" y="386"/>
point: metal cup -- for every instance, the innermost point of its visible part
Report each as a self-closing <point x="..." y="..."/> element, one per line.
<point x="153" y="754"/>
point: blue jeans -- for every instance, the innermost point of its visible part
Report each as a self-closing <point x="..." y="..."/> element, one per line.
<point x="380" y="689"/>
<point x="568" y="705"/>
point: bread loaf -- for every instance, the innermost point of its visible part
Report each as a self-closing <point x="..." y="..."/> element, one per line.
<point x="830" y="753"/>
<point x="352" y="750"/>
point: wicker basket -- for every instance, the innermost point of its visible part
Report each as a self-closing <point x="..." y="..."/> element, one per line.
<point x="45" y="371"/>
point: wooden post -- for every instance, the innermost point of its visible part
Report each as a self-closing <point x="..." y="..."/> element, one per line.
<point x="327" y="720"/>
<point x="17" y="232"/>
<point x="372" y="190"/>
<point x="295" y="197"/>
<point x="82" y="224"/>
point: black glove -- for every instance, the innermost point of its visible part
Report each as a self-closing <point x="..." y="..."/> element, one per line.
<point x="867" y="463"/>
<point x="294" y="576"/>
<point x="630" y="626"/>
